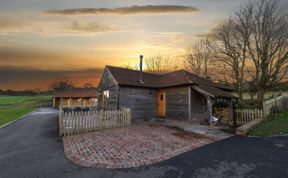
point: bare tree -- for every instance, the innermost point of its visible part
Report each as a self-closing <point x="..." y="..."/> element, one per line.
<point x="257" y="33"/>
<point x="62" y="85"/>
<point x="160" y="64"/>
<point x="251" y="88"/>
<point x="198" y="57"/>
<point x="130" y="66"/>
<point x="231" y="46"/>
<point x="268" y="44"/>
<point x="88" y="85"/>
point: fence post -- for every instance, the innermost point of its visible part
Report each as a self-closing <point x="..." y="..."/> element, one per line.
<point x="60" y="119"/>
<point x="234" y="116"/>
<point x="129" y="116"/>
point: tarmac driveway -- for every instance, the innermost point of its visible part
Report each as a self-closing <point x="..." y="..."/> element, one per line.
<point x="31" y="148"/>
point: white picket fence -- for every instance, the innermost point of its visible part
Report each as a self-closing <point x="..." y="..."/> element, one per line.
<point x="71" y="123"/>
<point x="247" y="115"/>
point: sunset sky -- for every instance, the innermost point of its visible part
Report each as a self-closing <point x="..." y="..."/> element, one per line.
<point x="42" y="41"/>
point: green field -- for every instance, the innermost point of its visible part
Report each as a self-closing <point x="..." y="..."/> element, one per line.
<point x="274" y="125"/>
<point x="13" y="107"/>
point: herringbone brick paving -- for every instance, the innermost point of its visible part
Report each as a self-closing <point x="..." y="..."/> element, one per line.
<point x="134" y="146"/>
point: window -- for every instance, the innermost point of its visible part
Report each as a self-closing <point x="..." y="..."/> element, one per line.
<point x="161" y="97"/>
<point x="106" y="93"/>
<point x="105" y="99"/>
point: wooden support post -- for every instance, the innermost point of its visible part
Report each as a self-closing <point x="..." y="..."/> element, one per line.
<point x="60" y="119"/>
<point x="189" y="102"/>
<point x="85" y="102"/>
<point x="209" y="108"/>
<point x="231" y="113"/>
<point x="69" y="102"/>
<point x="54" y="102"/>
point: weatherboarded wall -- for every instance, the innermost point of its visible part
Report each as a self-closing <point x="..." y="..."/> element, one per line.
<point x="142" y="101"/>
<point x="177" y="106"/>
<point x="198" y="106"/>
<point x="177" y="103"/>
<point x="108" y="83"/>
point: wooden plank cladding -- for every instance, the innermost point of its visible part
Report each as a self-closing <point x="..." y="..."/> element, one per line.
<point x="71" y="123"/>
<point x="177" y="103"/>
<point x="161" y="103"/>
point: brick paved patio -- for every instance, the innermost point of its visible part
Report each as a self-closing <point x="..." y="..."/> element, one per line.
<point x="133" y="146"/>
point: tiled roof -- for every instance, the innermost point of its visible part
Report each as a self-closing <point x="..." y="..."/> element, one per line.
<point x="77" y="93"/>
<point x="130" y="77"/>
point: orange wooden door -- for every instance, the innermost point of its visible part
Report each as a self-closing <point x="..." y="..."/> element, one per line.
<point x="161" y="101"/>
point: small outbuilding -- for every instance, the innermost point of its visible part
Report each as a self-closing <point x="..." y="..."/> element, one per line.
<point x="76" y="97"/>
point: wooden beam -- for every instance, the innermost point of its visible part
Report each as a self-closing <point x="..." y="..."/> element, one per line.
<point x="203" y="92"/>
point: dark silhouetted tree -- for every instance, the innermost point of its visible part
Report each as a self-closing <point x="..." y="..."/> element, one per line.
<point x="62" y="85"/>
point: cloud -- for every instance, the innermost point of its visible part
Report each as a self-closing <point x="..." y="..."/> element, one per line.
<point x="148" y="9"/>
<point x="41" y="58"/>
<point x="6" y="24"/>
<point x="211" y="34"/>
<point x="91" y="27"/>
<point x="58" y="27"/>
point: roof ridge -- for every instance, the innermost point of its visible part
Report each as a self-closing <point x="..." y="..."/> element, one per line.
<point x="187" y="77"/>
<point x="161" y="74"/>
<point x="131" y="69"/>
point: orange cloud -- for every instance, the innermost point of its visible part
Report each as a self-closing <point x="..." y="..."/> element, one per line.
<point x="19" y="78"/>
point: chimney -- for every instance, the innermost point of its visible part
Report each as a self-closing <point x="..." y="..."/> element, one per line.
<point x="141" y="68"/>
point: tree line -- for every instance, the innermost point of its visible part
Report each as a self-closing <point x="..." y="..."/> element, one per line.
<point x="57" y="86"/>
<point x="24" y="92"/>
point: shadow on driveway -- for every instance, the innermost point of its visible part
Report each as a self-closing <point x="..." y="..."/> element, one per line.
<point x="31" y="148"/>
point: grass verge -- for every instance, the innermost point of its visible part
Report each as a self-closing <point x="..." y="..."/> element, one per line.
<point x="274" y="125"/>
<point x="13" y="107"/>
<point x="9" y="115"/>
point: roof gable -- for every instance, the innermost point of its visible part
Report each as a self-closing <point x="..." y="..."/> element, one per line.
<point x="77" y="93"/>
<point x="131" y="77"/>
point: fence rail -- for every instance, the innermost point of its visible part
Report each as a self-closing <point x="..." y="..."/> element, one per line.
<point x="71" y="123"/>
<point x="247" y="115"/>
<point x="277" y="102"/>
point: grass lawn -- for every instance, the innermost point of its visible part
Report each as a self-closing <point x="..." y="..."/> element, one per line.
<point x="272" y="126"/>
<point x="13" y="107"/>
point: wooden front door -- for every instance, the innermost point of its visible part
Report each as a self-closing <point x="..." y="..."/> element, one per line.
<point x="161" y="102"/>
